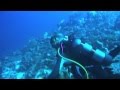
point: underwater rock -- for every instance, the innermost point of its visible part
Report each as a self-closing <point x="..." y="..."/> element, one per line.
<point x="17" y="65"/>
<point x="46" y="35"/>
<point x="20" y="75"/>
<point x="8" y="73"/>
<point x="62" y="23"/>
<point x="16" y="53"/>
<point x="115" y="68"/>
<point x="38" y="75"/>
<point x="48" y="54"/>
<point x="117" y="23"/>
<point x="42" y="73"/>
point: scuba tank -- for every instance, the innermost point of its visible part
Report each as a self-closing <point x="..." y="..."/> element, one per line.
<point x="95" y="54"/>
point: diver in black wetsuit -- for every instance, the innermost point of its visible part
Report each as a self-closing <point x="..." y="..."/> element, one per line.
<point x="92" y="59"/>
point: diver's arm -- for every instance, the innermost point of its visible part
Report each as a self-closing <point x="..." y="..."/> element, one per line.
<point x="114" y="52"/>
<point x="55" y="73"/>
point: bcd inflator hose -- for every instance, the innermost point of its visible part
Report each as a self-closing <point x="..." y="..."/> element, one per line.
<point x="74" y="62"/>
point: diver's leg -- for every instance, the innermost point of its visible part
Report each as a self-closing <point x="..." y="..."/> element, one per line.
<point x="111" y="75"/>
<point x="97" y="72"/>
<point x="76" y="72"/>
<point x="115" y="51"/>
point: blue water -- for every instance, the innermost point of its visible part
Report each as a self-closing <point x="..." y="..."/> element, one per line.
<point x="17" y="27"/>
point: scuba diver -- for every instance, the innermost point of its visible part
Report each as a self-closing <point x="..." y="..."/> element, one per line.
<point x="84" y="60"/>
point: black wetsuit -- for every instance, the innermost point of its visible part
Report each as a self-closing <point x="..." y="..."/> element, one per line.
<point x="76" y="53"/>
